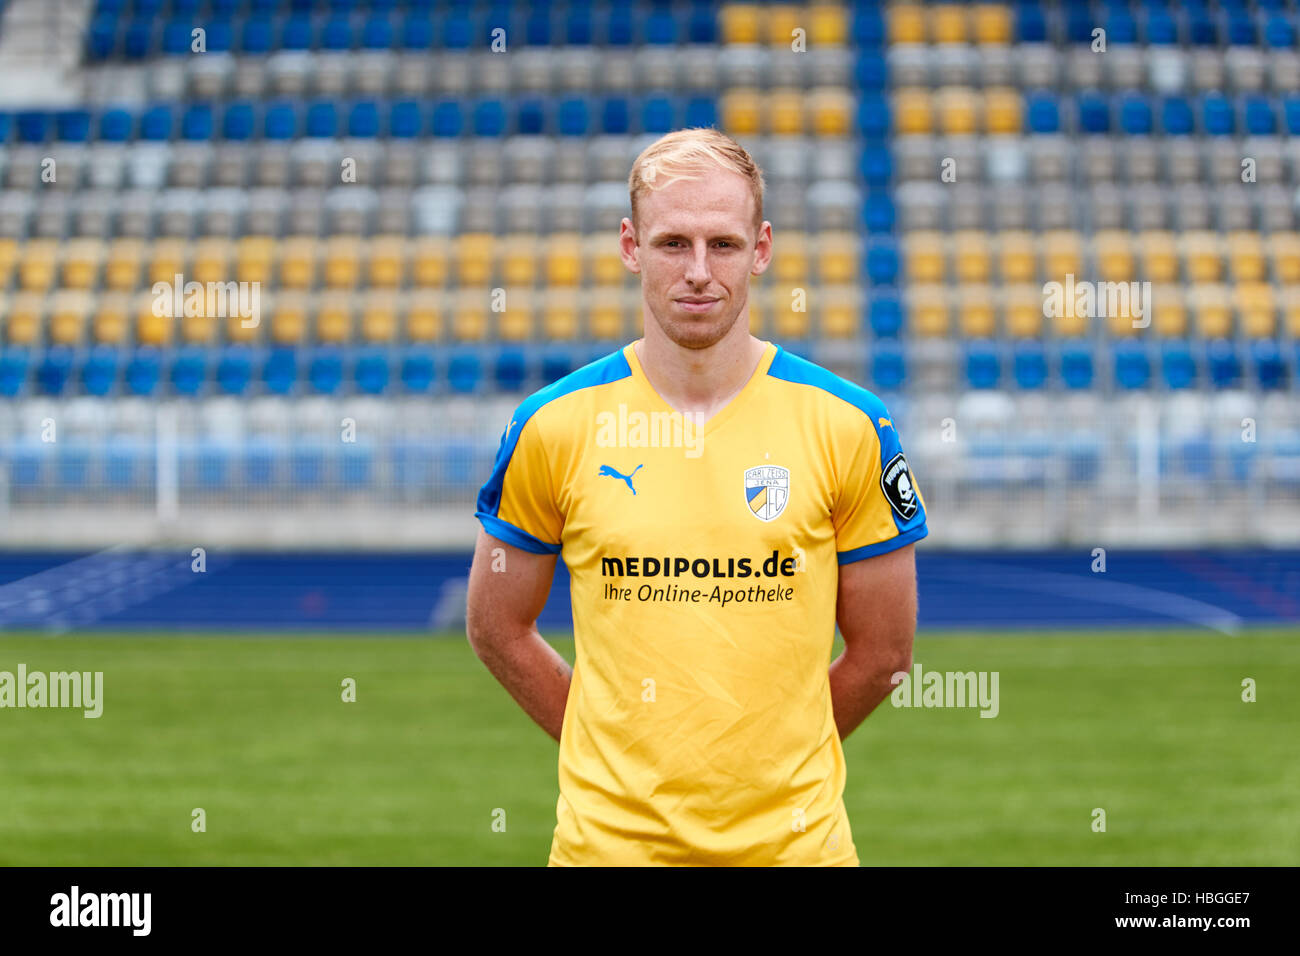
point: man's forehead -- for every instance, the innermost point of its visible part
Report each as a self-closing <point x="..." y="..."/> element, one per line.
<point x="701" y="204"/>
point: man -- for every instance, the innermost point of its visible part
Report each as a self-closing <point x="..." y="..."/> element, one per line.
<point x="720" y="504"/>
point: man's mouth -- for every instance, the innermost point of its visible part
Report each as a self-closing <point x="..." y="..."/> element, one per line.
<point x="697" y="303"/>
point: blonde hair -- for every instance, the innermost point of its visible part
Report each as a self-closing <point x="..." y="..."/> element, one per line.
<point x="687" y="154"/>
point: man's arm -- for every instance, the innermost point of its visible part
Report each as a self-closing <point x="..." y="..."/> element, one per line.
<point x="876" y="612"/>
<point x="501" y="624"/>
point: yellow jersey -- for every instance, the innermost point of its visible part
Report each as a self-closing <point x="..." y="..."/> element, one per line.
<point x="698" y="729"/>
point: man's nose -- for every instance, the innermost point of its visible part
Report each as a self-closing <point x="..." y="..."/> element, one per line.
<point x="697" y="270"/>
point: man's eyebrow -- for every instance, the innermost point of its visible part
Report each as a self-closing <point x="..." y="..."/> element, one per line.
<point x="666" y="236"/>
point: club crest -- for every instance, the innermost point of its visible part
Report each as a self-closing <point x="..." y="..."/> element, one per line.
<point x="767" y="489"/>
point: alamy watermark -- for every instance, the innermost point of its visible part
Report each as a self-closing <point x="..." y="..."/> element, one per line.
<point x="624" y="429"/>
<point x="1098" y="300"/>
<point x="72" y="689"/>
<point x="946" y="689"/>
<point x="242" y="300"/>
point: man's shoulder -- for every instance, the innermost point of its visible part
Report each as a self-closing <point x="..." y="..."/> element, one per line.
<point x="605" y="370"/>
<point x="825" y="385"/>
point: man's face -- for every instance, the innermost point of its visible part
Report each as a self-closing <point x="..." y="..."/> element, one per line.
<point x="695" y="248"/>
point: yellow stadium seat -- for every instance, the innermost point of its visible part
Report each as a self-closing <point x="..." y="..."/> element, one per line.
<point x="790" y="259"/>
<point x="787" y="322"/>
<point x="604" y="264"/>
<point x="212" y="260"/>
<point x="976" y="312"/>
<point x="959" y="111"/>
<point x="26" y="313"/>
<point x="840" y="311"/>
<point x="430" y="261"/>
<point x="1159" y="253"/>
<point x="1017" y="256"/>
<point x="832" y="111"/>
<point x="343" y="259"/>
<point x="469" y="318"/>
<point x="1284" y="250"/>
<point x="68" y="311"/>
<point x="1257" y="309"/>
<point x="913" y="112"/>
<point x="837" y="258"/>
<point x="1168" y="311"/>
<point x="518" y="259"/>
<point x="8" y="256"/>
<point x="828" y="25"/>
<point x="473" y="252"/>
<point x="1115" y="260"/>
<point x="334" y="315"/>
<point x="81" y="262"/>
<point x="1062" y="254"/>
<point x="424" y="319"/>
<point x="947" y="22"/>
<point x="928" y="312"/>
<point x="298" y="263"/>
<point x="1119" y="320"/>
<point x="562" y="253"/>
<point x="168" y="259"/>
<point x="289" y="318"/>
<point x="379" y="317"/>
<point x="906" y="24"/>
<point x="923" y="256"/>
<point x="786" y="110"/>
<point x="992" y="23"/>
<point x="386" y="261"/>
<point x="1023" y="311"/>
<point x="1291" y="310"/>
<point x="1070" y="323"/>
<point x="560" y="314"/>
<point x="1202" y="254"/>
<point x="38" y="264"/>
<point x="605" y="313"/>
<point x="255" y="259"/>
<point x="152" y="329"/>
<point x="971" y="256"/>
<point x="1002" y="111"/>
<point x="108" y="327"/>
<point x="739" y="23"/>
<point x="123" y="264"/>
<point x="515" y="323"/>
<point x="200" y="329"/>
<point x="245" y="330"/>
<point x="1246" y="257"/>
<point x="1212" y="307"/>
<point x="742" y="111"/>
<point x="779" y="23"/>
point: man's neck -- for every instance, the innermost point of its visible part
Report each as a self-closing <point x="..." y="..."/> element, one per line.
<point x="700" y="381"/>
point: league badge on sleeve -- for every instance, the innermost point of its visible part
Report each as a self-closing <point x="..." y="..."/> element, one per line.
<point x="896" y="483"/>
<point x="767" y="489"/>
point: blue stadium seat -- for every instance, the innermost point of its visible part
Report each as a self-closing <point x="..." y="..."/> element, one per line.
<point x="465" y="371"/>
<point x="619" y="26"/>
<point x="1132" y="365"/>
<point x="1042" y="113"/>
<point x="1094" y="113"/>
<point x="1241" y="28"/>
<point x="33" y="126"/>
<point x="417" y="370"/>
<point x="356" y="465"/>
<point x="100" y="369"/>
<point x="574" y="117"/>
<point x="326" y="370"/>
<point x="404" y="119"/>
<point x="868" y="26"/>
<point x="260" y="456"/>
<point x="256" y="37"/>
<point x="1135" y="115"/>
<point x="873" y="116"/>
<point x="53" y="369"/>
<point x="657" y="115"/>
<point x="885" y="314"/>
<point x="189" y="372"/>
<point x="1223" y="360"/>
<point x="143" y="371"/>
<point x="363" y="120"/>
<point x="702" y="25"/>
<point x="510" y="369"/>
<point x="1031" y="25"/>
<point x="1177" y="365"/>
<point x="307" y="464"/>
<point x="280" y="373"/>
<point x="1260" y="119"/>
<point x="557" y="362"/>
<point x="101" y="39"/>
<point x="72" y="126"/>
<point x="661" y="27"/>
<point x="1201" y="30"/>
<point x="1279" y="33"/>
<point x="336" y="34"/>
<point x="877" y="165"/>
<point x="370" y="372"/>
<point x="1029" y="364"/>
<point x="238" y="121"/>
<point x="878" y="213"/>
<point x="882" y="262"/>
<point x="219" y="36"/>
<point x="235" y="370"/>
<point x="871" y="72"/>
<point x="322" y="119"/>
<point x="1176" y="118"/>
<point x="530" y="118"/>
<point x="538" y="29"/>
<point x="137" y="40"/>
<point x="1217" y="115"/>
<point x="888" y="368"/>
<point x="1291" y="114"/>
<point x="1161" y="28"/>
<point x="115" y="126"/>
<point x="489" y="117"/>
<point x="1270" y="366"/>
<point x="156" y="123"/>
<point x="458" y="31"/>
<point x="447" y="120"/>
<point x="1076" y="364"/>
<point x="701" y="111"/>
<point x="280" y="121"/>
<point x="1079" y="24"/>
<point x="196" y="123"/>
<point x="1120" y="26"/>
<point x="15" y="365"/>
<point x="983" y="365"/>
<point x="417" y="32"/>
<point x="377" y="34"/>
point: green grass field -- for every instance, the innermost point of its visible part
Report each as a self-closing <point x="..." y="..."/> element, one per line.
<point x="1148" y="726"/>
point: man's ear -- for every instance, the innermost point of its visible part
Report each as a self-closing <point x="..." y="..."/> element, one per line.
<point x="627" y="246"/>
<point x="762" y="249"/>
